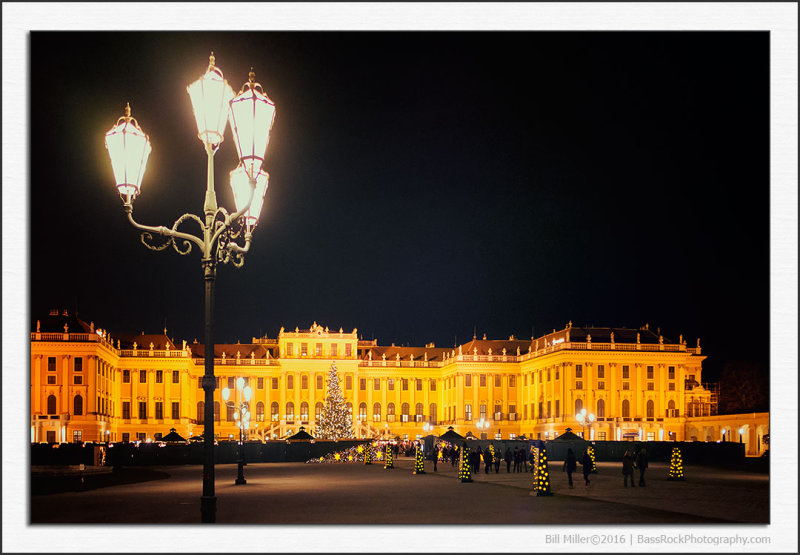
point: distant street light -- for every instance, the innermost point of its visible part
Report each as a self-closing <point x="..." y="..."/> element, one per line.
<point x="482" y="425"/>
<point x="585" y="419"/>
<point x="251" y="114"/>
<point x="242" y="416"/>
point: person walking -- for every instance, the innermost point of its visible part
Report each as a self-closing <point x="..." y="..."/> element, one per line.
<point x="508" y="459"/>
<point x="641" y="464"/>
<point x="627" y="468"/>
<point x="570" y="465"/>
<point x="586" y="462"/>
<point x="487" y="459"/>
<point x="532" y="459"/>
<point x="516" y="460"/>
<point x="496" y="460"/>
<point x="435" y="457"/>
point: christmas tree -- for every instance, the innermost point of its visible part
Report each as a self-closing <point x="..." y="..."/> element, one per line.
<point x="336" y="421"/>
<point x="389" y="462"/>
<point x="541" y="476"/>
<point x="590" y="450"/>
<point x="465" y="471"/>
<point x="676" y="465"/>
<point x="418" y="466"/>
<point x="368" y="455"/>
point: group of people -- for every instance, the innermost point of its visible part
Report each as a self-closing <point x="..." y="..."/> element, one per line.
<point x="629" y="462"/>
<point x="490" y="458"/>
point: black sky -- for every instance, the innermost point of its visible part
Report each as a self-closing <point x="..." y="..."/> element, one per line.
<point x="422" y="184"/>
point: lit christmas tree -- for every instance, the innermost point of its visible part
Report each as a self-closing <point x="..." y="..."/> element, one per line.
<point x="676" y="465"/>
<point x="336" y="422"/>
<point x="541" y="475"/>
<point x="368" y="455"/>
<point x="465" y="469"/>
<point x="418" y="467"/>
<point x="389" y="461"/>
<point x="590" y="450"/>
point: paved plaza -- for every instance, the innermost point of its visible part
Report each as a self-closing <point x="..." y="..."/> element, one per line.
<point x="298" y="493"/>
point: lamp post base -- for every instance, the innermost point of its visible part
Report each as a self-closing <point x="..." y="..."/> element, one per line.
<point x="240" y="477"/>
<point x="208" y="508"/>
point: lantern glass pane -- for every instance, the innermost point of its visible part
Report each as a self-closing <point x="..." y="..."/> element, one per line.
<point x="128" y="147"/>
<point x="210" y="96"/>
<point x="251" y="116"/>
<point x="240" y="184"/>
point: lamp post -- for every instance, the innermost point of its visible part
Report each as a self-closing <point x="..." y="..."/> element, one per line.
<point x="251" y="114"/>
<point x="585" y="419"/>
<point x="482" y="425"/>
<point x="242" y="417"/>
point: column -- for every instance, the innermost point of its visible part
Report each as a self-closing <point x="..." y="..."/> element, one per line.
<point x="36" y="397"/>
<point x="65" y="405"/>
<point x="92" y="368"/>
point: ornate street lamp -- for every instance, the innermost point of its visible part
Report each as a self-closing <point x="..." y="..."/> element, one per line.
<point x="482" y="425"/>
<point x="242" y="418"/>
<point x="251" y="114"/>
<point x="585" y="419"/>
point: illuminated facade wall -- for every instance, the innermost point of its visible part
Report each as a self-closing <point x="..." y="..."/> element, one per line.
<point x="87" y="385"/>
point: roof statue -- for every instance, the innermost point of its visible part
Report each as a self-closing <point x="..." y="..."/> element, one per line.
<point x="612" y="336"/>
<point x="661" y="339"/>
<point x="517" y="350"/>
<point x="66" y="328"/>
<point x="588" y="337"/>
<point x="638" y="337"/>
<point x="490" y="351"/>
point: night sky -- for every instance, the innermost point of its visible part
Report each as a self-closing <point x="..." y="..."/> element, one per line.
<point x="423" y="185"/>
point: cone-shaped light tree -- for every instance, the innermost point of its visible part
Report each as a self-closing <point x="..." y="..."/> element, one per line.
<point x="590" y="450"/>
<point x="541" y="481"/>
<point x="336" y="421"/>
<point x="676" y="465"/>
<point x="418" y="466"/>
<point x="464" y="469"/>
<point x="368" y="454"/>
<point x="389" y="462"/>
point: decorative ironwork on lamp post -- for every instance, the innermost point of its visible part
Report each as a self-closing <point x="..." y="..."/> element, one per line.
<point x="585" y="419"/>
<point x="251" y="114"/>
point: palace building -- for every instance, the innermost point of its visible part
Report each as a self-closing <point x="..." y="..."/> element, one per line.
<point x="89" y="384"/>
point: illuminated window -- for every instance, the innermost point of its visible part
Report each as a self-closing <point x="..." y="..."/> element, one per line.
<point x="348" y="382"/>
<point x="290" y="411"/>
<point x="483" y="412"/>
<point x="77" y="405"/>
<point x="376" y="384"/>
<point x="348" y="350"/>
<point x="433" y="384"/>
<point x="141" y="436"/>
<point x="391" y="384"/>
<point x="419" y="412"/>
<point x="626" y="408"/>
<point x="143" y="376"/>
<point x="289" y="382"/>
<point x="650" y="386"/>
<point x="601" y="436"/>
<point x="578" y="405"/>
<point x="467" y="412"/>
<point x="468" y="380"/>
<point x="601" y="408"/>
<point x="126" y="377"/>
<point x="651" y="409"/>
<point x="512" y="381"/>
<point x="290" y="349"/>
<point x="432" y="413"/>
<point x="404" y="412"/>
<point x="304" y="382"/>
<point x="601" y="385"/>
<point x="626" y="372"/>
<point x="405" y="384"/>
<point x="376" y="412"/>
<point x="159" y="410"/>
<point x="274" y="383"/>
<point x="671" y="387"/>
<point x="483" y="380"/>
<point x="497" y="412"/>
<point x="334" y="350"/>
<point x="303" y="349"/>
<point x="626" y="386"/>
<point x="77" y="436"/>
<point x="78" y="364"/>
<point x="176" y="410"/>
<point x="558" y="408"/>
<point x="318" y="349"/>
<point x="77" y="380"/>
<point x="419" y="384"/>
<point x="260" y="383"/>
<point x="579" y="385"/>
<point x="318" y="411"/>
<point x="159" y="376"/>
<point x="541" y="409"/>
<point x="259" y="412"/>
<point x="362" y="412"/>
<point x="548" y="409"/>
<point x="362" y="385"/>
<point x="671" y="373"/>
<point x="126" y="410"/>
<point x="216" y="411"/>
<point x="142" y="410"/>
<point x="176" y="376"/>
<point x="650" y="372"/>
<point x="579" y="370"/>
<point x="390" y="412"/>
<point x="231" y="383"/>
<point x="497" y="380"/>
<point x="304" y="411"/>
<point x="51" y="380"/>
<point x="51" y="364"/>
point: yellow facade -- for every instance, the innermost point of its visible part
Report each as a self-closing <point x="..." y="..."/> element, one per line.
<point x="637" y="384"/>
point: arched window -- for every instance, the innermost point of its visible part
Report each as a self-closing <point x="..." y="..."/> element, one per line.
<point x="432" y="413"/>
<point x="201" y="412"/>
<point x="319" y="381"/>
<point x="362" y="412"/>
<point x="259" y="412"/>
<point x="77" y="405"/>
<point x="289" y="382"/>
<point x="419" y="412"/>
<point x="51" y="404"/>
<point x="404" y="412"/>
<point x="229" y="410"/>
<point x="626" y="408"/>
<point x="216" y="411"/>
<point x="651" y="409"/>
<point x="289" y="411"/>
<point x="274" y="411"/>
<point x="390" y="412"/>
<point x="317" y="411"/>
<point x="303" y="382"/>
<point x="601" y="408"/>
<point x="671" y="408"/>
<point x="376" y="412"/>
<point x="349" y="409"/>
<point x="304" y="411"/>
<point x="578" y="405"/>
